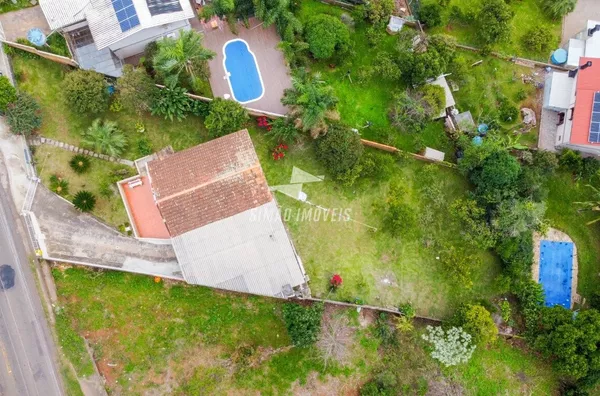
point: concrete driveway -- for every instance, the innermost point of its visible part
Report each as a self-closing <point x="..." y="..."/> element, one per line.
<point x="576" y="21"/>
<point x="68" y="235"/>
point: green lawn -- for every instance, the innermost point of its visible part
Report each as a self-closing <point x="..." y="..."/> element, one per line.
<point x="528" y="13"/>
<point x="563" y="215"/>
<point x="42" y="78"/>
<point x="377" y="268"/>
<point x="102" y="174"/>
<point x="162" y="338"/>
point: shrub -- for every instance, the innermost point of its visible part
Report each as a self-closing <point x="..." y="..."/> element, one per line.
<point x="85" y="91"/>
<point x="450" y="347"/>
<point x="571" y="160"/>
<point x="589" y="167"/>
<point x="379" y="11"/>
<point x="303" y="323"/>
<point x="478" y="322"/>
<point x="507" y="111"/>
<point x="326" y="35"/>
<point x="340" y="151"/>
<point x="431" y="15"/>
<point x="171" y="102"/>
<point x="538" y="38"/>
<point x="59" y="185"/>
<point x="104" y="137"/>
<point x="23" y="115"/>
<point x="283" y="130"/>
<point x="8" y="93"/>
<point x="144" y="147"/>
<point x="505" y="311"/>
<point x="84" y="201"/>
<point x="199" y="108"/>
<point x="557" y="9"/>
<point x="494" y="21"/>
<point x="225" y="117"/>
<point x="80" y="163"/>
<point x="386" y="67"/>
<point x="433" y="99"/>
<point x="137" y="91"/>
<point x="472" y="219"/>
<point x="398" y="216"/>
<point x="407" y="113"/>
<point x="407" y="310"/>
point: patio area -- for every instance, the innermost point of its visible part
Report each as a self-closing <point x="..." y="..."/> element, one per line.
<point x="271" y="64"/>
<point x="16" y="24"/>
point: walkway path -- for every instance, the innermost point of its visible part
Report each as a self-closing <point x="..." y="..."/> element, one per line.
<point x="78" y="150"/>
<point x="65" y="234"/>
<point x="576" y="21"/>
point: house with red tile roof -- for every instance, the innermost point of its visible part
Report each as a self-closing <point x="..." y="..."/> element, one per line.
<point x="575" y="97"/>
<point x="218" y="212"/>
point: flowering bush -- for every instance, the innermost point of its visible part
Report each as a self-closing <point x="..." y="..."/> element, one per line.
<point x="336" y="281"/>
<point x="279" y="151"/>
<point x="449" y="347"/>
<point x="263" y="122"/>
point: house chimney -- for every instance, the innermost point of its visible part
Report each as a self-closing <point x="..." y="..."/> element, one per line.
<point x="593" y="30"/>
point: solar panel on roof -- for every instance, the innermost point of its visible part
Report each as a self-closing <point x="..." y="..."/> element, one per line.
<point x="126" y="14"/>
<point x="595" y="123"/>
<point x="157" y="7"/>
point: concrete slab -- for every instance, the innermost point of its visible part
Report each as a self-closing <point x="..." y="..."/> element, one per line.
<point x="576" y="21"/>
<point x="547" y="137"/>
<point x="67" y="235"/>
<point x="16" y="24"/>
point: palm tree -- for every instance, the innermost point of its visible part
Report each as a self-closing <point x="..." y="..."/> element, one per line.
<point x="185" y="54"/>
<point x="311" y="102"/>
<point x="84" y="201"/>
<point x="593" y="205"/>
<point x="105" y="137"/>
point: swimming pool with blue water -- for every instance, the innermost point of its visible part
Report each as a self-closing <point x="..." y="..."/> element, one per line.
<point x="242" y="71"/>
<point x="556" y="272"/>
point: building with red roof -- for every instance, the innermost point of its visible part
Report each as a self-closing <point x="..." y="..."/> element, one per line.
<point x="575" y="97"/>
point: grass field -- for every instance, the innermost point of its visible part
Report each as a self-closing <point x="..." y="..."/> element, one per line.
<point x="528" y="14"/>
<point x="564" y="215"/>
<point x="42" y="78"/>
<point x="156" y="338"/>
<point x="52" y="160"/>
<point x="377" y="268"/>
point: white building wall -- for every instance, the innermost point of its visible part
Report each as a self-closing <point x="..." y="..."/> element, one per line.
<point x="136" y="43"/>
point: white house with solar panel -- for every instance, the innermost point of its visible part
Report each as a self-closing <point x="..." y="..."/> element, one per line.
<point x="102" y="33"/>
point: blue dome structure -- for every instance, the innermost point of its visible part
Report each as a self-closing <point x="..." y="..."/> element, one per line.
<point x="36" y="37"/>
<point x="477" y="140"/>
<point x="559" y="57"/>
<point x="483" y="128"/>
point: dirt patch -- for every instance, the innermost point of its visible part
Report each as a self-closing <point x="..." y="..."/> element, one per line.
<point x="366" y="317"/>
<point x="329" y="386"/>
<point x="442" y="386"/>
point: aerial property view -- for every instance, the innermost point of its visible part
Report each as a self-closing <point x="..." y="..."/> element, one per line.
<point x="329" y="197"/>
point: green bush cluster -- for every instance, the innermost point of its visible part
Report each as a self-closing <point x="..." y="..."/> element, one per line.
<point x="303" y="323"/>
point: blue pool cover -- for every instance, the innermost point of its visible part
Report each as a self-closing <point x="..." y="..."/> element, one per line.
<point x="244" y="77"/>
<point x="556" y="264"/>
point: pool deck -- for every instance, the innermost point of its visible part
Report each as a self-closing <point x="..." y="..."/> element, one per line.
<point x="555" y="235"/>
<point x="271" y="64"/>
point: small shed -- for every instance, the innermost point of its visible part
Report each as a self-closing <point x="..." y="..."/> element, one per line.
<point x="464" y="121"/>
<point x="395" y="24"/>
<point x="434" y="155"/>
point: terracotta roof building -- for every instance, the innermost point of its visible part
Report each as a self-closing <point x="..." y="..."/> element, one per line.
<point x="575" y="97"/>
<point x="224" y="223"/>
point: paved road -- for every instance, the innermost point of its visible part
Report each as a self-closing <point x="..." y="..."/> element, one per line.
<point x="27" y="356"/>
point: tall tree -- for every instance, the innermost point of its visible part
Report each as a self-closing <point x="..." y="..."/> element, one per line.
<point x="311" y="102"/>
<point x="136" y="89"/>
<point x="105" y="137"/>
<point x="592" y="205"/>
<point x="494" y="21"/>
<point x="182" y="55"/>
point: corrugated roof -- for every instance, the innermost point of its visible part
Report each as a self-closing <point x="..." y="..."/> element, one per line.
<point x="61" y="13"/>
<point x="588" y="83"/>
<point x="248" y="252"/>
<point x="102" y="19"/>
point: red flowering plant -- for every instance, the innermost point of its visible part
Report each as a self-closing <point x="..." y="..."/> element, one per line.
<point x="279" y="151"/>
<point x="336" y="281"/>
<point x="263" y="122"/>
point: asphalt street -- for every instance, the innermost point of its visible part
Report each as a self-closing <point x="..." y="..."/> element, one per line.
<point x="27" y="356"/>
